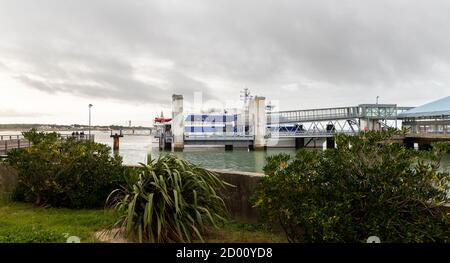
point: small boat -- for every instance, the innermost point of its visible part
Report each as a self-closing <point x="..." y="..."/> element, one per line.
<point x="161" y="119"/>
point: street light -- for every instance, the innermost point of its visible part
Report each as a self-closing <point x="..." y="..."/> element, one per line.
<point x="377" y="99"/>
<point x="90" y="106"/>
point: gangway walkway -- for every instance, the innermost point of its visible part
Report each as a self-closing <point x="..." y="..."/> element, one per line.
<point x="327" y="122"/>
<point x="366" y="111"/>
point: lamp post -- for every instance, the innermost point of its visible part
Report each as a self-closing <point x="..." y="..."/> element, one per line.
<point x="90" y="106"/>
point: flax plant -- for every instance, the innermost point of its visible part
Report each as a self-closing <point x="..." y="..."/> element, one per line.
<point x="168" y="200"/>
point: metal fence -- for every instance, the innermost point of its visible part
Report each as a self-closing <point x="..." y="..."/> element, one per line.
<point x="11" y="142"/>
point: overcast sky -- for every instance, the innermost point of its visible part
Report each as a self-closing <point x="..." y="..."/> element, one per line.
<point x="128" y="57"/>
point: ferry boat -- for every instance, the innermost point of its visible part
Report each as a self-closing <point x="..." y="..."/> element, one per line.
<point x="211" y="124"/>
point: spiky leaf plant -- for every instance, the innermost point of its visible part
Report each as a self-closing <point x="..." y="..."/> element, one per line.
<point x="168" y="200"/>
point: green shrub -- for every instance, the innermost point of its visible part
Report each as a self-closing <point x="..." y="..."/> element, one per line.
<point x="65" y="173"/>
<point x="368" y="186"/>
<point x="167" y="200"/>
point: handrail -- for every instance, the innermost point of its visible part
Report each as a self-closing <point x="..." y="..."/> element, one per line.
<point x="10" y="142"/>
<point x="7" y="137"/>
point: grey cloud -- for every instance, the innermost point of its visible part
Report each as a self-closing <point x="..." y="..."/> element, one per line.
<point x="99" y="76"/>
<point x="182" y="84"/>
<point x="348" y="48"/>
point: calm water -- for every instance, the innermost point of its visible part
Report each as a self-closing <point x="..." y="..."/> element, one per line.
<point x="134" y="149"/>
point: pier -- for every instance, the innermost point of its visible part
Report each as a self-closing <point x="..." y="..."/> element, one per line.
<point x="10" y="142"/>
<point x="257" y="128"/>
<point x="427" y="124"/>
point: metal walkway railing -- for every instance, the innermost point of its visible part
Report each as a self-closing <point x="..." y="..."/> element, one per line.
<point x="11" y="142"/>
<point x="317" y="134"/>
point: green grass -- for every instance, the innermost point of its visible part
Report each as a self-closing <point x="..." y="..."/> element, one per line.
<point x="25" y="223"/>
<point x="20" y="222"/>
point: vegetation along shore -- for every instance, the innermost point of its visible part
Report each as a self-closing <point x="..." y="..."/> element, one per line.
<point x="368" y="185"/>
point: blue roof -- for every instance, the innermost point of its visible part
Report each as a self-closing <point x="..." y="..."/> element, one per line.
<point x="435" y="108"/>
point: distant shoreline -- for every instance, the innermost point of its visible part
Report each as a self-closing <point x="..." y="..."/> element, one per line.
<point x="53" y="127"/>
<point x="56" y="130"/>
